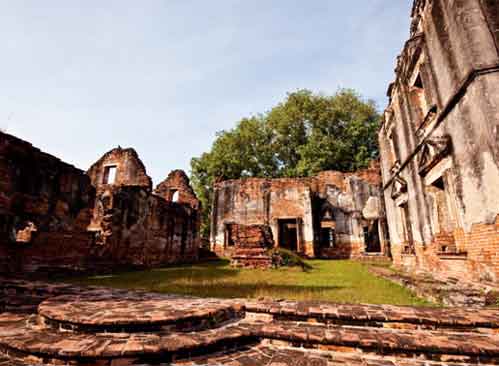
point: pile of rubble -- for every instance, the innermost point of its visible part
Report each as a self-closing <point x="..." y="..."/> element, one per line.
<point x="251" y="243"/>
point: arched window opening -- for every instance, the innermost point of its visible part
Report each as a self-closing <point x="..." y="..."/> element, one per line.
<point x="175" y="196"/>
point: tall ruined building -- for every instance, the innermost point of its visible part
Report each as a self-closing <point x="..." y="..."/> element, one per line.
<point x="439" y="142"/>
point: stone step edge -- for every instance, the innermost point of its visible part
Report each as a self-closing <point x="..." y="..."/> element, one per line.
<point x="332" y="357"/>
<point x="455" y="318"/>
<point x="383" y="341"/>
<point x="20" y="338"/>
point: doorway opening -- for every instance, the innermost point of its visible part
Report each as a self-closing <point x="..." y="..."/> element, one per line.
<point x="327" y="238"/>
<point x="406" y="223"/>
<point x="371" y="238"/>
<point x="288" y="234"/>
<point x="229" y="239"/>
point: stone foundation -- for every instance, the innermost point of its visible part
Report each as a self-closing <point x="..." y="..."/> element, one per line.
<point x="479" y="263"/>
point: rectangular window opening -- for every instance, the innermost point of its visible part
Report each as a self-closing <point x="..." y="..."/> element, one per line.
<point x="109" y="174"/>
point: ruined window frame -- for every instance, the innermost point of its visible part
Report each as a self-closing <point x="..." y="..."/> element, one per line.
<point x="443" y="171"/>
<point x="106" y="176"/>
<point x="175" y="195"/>
<point x="418" y="92"/>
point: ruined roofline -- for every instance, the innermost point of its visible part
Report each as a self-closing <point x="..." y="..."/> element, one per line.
<point x="417" y="8"/>
<point x="20" y="141"/>
<point x="399" y="72"/>
<point x="257" y="179"/>
<point x="129" y="150"/>
<point x="172" y="175"/>
<point x="305" y="180"/>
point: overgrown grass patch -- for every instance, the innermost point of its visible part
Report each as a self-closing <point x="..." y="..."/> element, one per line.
<point x="340" y="281"/>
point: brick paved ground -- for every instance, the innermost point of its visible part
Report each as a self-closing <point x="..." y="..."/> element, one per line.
<point x="104" y="327"/>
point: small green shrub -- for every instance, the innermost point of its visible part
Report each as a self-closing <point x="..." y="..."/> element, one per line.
<point x="287" y="258"/>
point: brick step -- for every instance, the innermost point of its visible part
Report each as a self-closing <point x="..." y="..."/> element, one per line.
<point x="251" y="258"/>
<point x="389" y="316"/>
<point x="264" y="354"/>
<point x="261" y="258"/>
<point x="250" y="251"/>
<point x="432" y="345"/>
<point x="251" y="262"/>
<point x="103" y="310"/>
<point x="21" y="336"/>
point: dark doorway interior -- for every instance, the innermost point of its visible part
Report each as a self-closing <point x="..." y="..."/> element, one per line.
<point x="327" y="239"/>
<point x="288" y="234"/>
<point x="229" y="240"/>
<point x="409" y="246"/>
<point x="371" y="238"/>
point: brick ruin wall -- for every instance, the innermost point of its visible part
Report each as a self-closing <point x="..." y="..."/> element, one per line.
<point x="440" y="139"/>
<point x="45" y="208"/>
<point x="302" y="201"/>
<point x="178" y="184"/>
<point x="259" y="202"/>
<point x="54" y="217"/>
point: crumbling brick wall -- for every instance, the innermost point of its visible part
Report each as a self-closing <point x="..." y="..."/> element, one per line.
<point x="177" y="185"/>
<point x="294" y="207"/>
<point x="261" y="202"/>
<point x="439" y="142"/>
<point x="55" y="217"/>
<point x="130" y="170"/>
<point x="142" y="229"/>
<point x="45" y="208"/>
<point x="251" y="236"/>
<point x="135" y="226"/>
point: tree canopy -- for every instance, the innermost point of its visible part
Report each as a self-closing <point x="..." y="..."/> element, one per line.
<point x="305" y="134"/>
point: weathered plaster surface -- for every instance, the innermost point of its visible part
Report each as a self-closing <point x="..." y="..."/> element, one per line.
<point x="302" y="203"/>
<point x="443" y="146"/>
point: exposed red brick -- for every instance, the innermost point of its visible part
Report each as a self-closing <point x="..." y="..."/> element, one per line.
<point x="343" y="203"/>
<point x="54" y="216"/>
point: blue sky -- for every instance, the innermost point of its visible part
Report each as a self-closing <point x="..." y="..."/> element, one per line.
<point x="78" y="78"/>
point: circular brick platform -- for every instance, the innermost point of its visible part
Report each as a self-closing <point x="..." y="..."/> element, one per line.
<point x="119" y="311"/>
<point x="110" y="327"/>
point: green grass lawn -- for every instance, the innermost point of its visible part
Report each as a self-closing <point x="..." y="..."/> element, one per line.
<point x="338" y="281"/>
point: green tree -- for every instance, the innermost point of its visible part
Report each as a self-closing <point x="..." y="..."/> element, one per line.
<point x="305" y="134"/>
